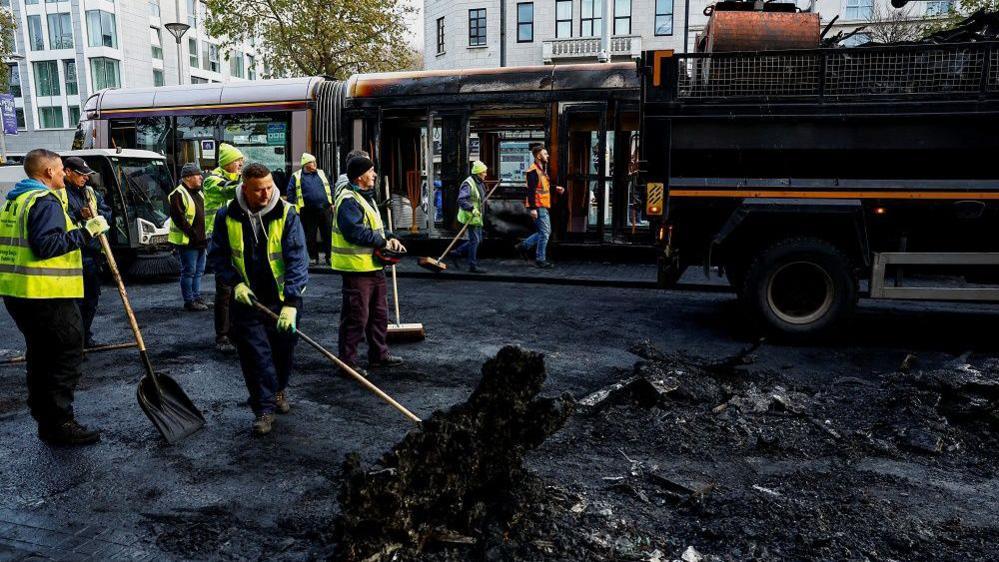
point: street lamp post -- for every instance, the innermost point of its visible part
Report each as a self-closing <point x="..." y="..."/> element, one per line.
<point x="178" y="30"/>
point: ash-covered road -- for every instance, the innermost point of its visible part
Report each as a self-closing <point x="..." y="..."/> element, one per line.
<point x="223" y="494"/>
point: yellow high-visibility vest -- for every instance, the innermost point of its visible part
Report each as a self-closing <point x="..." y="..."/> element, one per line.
<point x="275" y="253"/>
<point x="345" y="256"/>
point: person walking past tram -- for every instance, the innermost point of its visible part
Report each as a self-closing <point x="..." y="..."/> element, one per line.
<point x="82" y="199"/>
<point x="219" y="188"/>
<point x="258" y="248"/>
<point x="187" y="234"/>
<point x="357" y="235"/>
<point x="41" y="278"/>
<point x="538" y="202"/>
<point x="310" y="192"/>
<point x="471" y="208"/>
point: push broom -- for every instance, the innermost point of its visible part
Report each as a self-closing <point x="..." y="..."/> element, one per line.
<point x="438" y="265"/>
<point x="400" y="332"/>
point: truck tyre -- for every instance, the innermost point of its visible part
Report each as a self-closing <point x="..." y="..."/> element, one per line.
<point x="799" y="287"/>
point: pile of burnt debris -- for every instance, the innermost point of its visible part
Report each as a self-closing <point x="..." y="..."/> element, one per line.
<point x="685" y="459"/>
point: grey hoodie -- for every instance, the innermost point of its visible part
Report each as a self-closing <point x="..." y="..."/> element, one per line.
<point x="257" y="219"/>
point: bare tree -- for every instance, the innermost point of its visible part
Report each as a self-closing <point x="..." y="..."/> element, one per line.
<point x="890" y="25"/>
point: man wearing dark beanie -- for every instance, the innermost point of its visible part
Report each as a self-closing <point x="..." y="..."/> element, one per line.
<point x="357" y="232"/>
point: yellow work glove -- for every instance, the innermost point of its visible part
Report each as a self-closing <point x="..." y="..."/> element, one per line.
<point x="96" y="226"/>
<point x="286" y="320"/>
<point x="243" y="294"/>
<point x="476" y="213"/>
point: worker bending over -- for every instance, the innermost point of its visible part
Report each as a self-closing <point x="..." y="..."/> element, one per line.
<point x="358" y="232"/>
<point x="310" y="192"/>
<point x="258" y="248"/>
<point x="219" y="189"/>
<point x="538" y="201"/>
<point x="471" y="207"/>
<point x="41" y="276"/>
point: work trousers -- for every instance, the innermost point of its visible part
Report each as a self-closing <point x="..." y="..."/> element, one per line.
<point x="540" y="238"/>
<point x="192" y="268"/>
<point x="223" y="301"/>
<point x="53" y="335"/>
<point x="470" y="248"/>
<point x="320" y="220"/>
<point x="91" y="298"/>
<point x="265" y="354"/>
<point x="364" y="316"/>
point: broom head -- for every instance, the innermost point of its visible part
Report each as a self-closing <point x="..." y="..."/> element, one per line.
<point x="431" y="264"/>
<point x="401" y="333"/>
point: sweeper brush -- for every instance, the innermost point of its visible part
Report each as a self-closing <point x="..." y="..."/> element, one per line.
<point x="438" y="265"/>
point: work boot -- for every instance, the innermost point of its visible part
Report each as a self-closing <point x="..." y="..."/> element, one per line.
<point x="281" y="401"/>
<point x="387" y="361"/>
<point x="68" y="433"/>
<point x="525" y="254"/>
<point x="544" y="264"/>
<point x="223" y="344"/>
<point x="476" y="269"/>
<point x="202" y="301"/>
<point x="195" y="306"/>
<point x="263" y="424"/>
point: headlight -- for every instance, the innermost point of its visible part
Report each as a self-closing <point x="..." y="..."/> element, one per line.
<point x="150" y="234"/>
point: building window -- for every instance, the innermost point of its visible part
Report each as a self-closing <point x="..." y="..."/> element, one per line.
<point x="60" y="31"/>
<point x="19" y="113"/>
<point x="236" y="64"/>
<point x="938" y="7"/>
<point x="46" y="78"/>
<point x="440" y="36"/>
<point x="622" y="17"/>
<point x="35" y="37"/>
<point x="198" y="80"/>
<point x="192" y="47"/>
<point x="213" y="58"/>
<point x="105" y="72"/>
<point x="69" y="71"/>
<point x="15" y="80"/>
<point x="856" y="39"/>
<point x="50" y="117"/>
<point x="859" y="9"/>
<point x="251" y="67"/>
<point x="664" y="17"/>
<point x="154" y="8"/>
<point x="192" y="13"/>
<point x="477" y="27"/>
<point x="158" y="79"/>
<point x="30" y="2"/>
<point x="563" y="18"/>
<point x="525" y="22"/>
<point x="591" y="18"/>
<point x="155" y="44"/>
<point x="101" y="29"/>
<point x="74" y="115"/>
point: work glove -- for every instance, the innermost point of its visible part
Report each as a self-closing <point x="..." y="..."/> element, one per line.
<point x="286" y="320"/>
<point x="244" y="294"/>
<point x="394" y="245"/>
<point x="476" y="213"/>
<point x="96" y="226"/>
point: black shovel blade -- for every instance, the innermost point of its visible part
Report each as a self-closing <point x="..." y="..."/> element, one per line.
<point x="172" y="412"/>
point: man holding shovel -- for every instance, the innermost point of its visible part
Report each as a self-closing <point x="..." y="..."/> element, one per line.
<point x="258" y="248"/>
<point x="358" y="233"/>
<point x="41" y="277"/>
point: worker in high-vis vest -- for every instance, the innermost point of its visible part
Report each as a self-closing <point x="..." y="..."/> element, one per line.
<point x="41" y="276"/>
<point x="310" y="191"/>
<point x="219" y="189"/>
<point x="82" y="201"/>
<point x="357" y="233"/>
<point x="258" y="248"/>
<point x="471" y="208"/>
<point x="188" y="236"/>
<point x="538" y="200"/>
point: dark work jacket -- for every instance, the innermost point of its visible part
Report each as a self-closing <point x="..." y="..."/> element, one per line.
<point x="76" y="201"/>
<point x="196" y="230"/>
<point x="258" y="269"/>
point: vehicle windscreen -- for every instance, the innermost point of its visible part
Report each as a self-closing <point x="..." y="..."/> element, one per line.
<point x="146" y="185"/>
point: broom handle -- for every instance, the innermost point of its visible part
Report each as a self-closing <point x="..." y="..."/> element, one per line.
<point x="464" y="228"/>
<point x="395" y="283"/>
<point x="345" y="367"/>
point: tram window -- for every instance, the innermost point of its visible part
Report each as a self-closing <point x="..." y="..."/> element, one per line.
<point x="262" y="138"/>
<point x="515" y="159"/>
<point x="191" y="131"/>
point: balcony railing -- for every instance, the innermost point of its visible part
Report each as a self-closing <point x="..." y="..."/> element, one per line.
<point x="556" y="50"/>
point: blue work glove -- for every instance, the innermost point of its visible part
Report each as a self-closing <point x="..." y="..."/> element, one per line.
<point x="244" y="294"/>
<point x="286" y="320"/>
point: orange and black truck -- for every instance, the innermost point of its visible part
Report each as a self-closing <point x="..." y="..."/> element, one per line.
<point x="811" y="176"/>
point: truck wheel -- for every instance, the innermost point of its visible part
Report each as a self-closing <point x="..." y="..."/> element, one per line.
<point x="800" y="287"/>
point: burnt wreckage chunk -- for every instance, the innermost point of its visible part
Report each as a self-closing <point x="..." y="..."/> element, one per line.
<point x="455" y="475"/>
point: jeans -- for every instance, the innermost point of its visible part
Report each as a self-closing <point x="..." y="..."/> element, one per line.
<point x="192" y="267"/>
<point x="265" y="355"/>
<point x="364" y="316"/>
<point x="540" y="238"/>
<point x="470" y="248"/>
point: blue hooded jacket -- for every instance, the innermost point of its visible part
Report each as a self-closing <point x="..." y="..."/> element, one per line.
<point x="47" y="233"/>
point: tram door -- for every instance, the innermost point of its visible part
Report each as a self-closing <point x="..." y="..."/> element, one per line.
<point x="587" y="175"/>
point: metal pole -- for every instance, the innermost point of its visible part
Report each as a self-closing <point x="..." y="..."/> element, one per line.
<point x="686" y="25"/>
<point x="180" y="64"/>
<point x="3" y="145"/>
<point x="605" y="48"/>
<point x="431" y="202"/>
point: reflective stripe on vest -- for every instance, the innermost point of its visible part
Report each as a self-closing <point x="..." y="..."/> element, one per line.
<point x="542" y="197"/>
<point x="466" y="217"/>
<point x="299" y="201"/>
<point x="24" y="275"/>
<point x="275" y="252"/>
<point x="345" y="256"/>
<point x="177" y="235"/>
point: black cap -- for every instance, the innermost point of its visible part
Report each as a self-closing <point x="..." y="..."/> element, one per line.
<point x="77" y="164"/>
<point x="190" y="169"/>
<point x="357" y="167"/>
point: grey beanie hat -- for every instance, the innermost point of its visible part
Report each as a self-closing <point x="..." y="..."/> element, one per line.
<point x="190" y="169"/>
